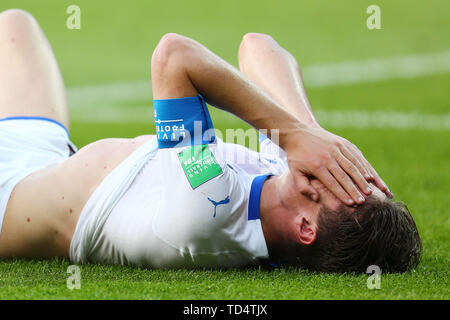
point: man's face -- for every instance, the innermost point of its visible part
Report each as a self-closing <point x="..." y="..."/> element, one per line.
<point x="304" y="207"/>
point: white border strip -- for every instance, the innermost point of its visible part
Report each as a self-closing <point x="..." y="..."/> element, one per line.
<point x="102" y="103"/>
<point x="378" y="119"/>
<point x="351" y="72"/>
<point x="333" y="119"/>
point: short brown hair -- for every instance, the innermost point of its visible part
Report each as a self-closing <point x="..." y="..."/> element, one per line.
<point x="379" y="232"/>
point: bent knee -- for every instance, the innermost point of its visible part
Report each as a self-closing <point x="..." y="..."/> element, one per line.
<point x="254" y="38"/>
<point x="18" y="26"/>
<point x="172" y="41"/>
<point x="16" y="18"/>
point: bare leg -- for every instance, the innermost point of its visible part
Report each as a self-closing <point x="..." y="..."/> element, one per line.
<point x="30" y="80"/>
<point x="182" y="67"/>
<point x="276" y="72"/>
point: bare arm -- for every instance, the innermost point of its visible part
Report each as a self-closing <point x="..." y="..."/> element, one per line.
<point x="182" y="67"/>
<point x="277" y="72"/>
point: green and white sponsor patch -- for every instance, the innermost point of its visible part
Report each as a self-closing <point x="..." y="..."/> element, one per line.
<point x="199" y="164"/>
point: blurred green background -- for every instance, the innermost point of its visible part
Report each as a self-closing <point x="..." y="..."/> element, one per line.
<point x="116" y="39"/>
<point x="407" y="140"/>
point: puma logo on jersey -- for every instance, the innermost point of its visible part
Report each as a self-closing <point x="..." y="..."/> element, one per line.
<point x="216" y="204"/>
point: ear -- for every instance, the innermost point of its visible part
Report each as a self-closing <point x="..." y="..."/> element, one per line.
<point x="306" y="231"/>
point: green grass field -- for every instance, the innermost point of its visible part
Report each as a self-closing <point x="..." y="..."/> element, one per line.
<point x="115" y="44"/>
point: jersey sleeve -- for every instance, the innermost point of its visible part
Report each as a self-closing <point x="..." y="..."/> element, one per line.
<point x="184" y="126"/>
<point x="187" y="140"/>
<point x="267" y="146"/>
<point x="239" y="158"/>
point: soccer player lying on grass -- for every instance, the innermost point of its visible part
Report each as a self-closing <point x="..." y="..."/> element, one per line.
<point x="184" y="199"/>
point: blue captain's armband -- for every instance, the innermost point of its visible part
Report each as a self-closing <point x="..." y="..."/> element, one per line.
<point x="183" y="122"/>
<point x="262" y="137"/>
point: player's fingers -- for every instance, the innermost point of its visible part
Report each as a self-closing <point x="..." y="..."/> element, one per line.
<point x="354" y="172"/>
<point x="343" y="177"/>
<point x="381" y="184"/>
<point x="358" y="160"/>
<point x="374" y="176"/>
<point x="364" y="161"/>
<point x="333" y="185"/>
<point x="304" y="186"/>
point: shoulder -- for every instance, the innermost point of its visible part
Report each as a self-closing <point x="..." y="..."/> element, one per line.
<point x="250" y="161"/>
<point x="200" y="194"/>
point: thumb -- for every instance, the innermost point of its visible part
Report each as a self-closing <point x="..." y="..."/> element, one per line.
<point x="305" y="187"/>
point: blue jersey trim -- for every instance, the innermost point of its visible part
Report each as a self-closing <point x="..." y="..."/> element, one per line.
<point x="255" y="196"/>
<point x="182" y="122"/>
<point x="229" y="166"/>
<point x="37" y="118"/>
<point x="268" y="262"/>
<point x="262" y="137"/>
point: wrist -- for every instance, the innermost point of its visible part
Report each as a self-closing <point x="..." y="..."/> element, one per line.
<point x="292" y="135"/>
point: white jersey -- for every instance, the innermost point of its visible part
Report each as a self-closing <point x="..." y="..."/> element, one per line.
<point x="147" y="213"/>
<point x="179" y="207"/>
